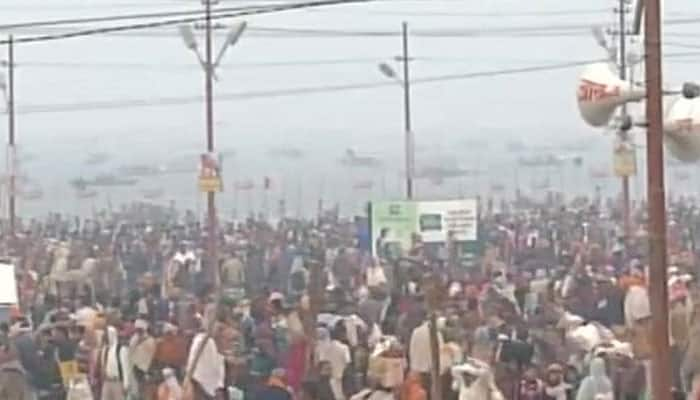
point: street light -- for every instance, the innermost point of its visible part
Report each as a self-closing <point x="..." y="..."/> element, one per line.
<point x="8" y="89"/>
<point x="209" y="66"/>
<point x="236" y="32"/>
<point x="389" y="72"/>
<point x="405" y="82"/>
<point x="188" y="37"/>
<point x="190" y="40"/>
<point x="231" y="39"/>
<point x="3" y="84"/>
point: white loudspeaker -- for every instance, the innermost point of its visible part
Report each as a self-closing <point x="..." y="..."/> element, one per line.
<point x="600" y="92"/>
<point x="682" y="129"/>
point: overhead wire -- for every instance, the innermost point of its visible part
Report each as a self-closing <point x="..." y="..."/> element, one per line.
<point x="286" y="31"/>
<point x="171" y="101"/>
<point x="680" y="44"/>
<point x="139" y="30"/>
<point x="308" y="90"/>
<point x="496" y="14"/>
<point x="168" y="22"/>
<point x="161" y="66"/>
<point x="260" y="64"/>
<point x="291" y="33"/>
<point x="114" y="18"/>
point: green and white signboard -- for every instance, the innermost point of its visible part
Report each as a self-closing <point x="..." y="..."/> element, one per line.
<point x="433" y="221"/>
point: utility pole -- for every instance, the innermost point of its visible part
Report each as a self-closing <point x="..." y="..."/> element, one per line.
<point x="11" y="132"/>
<point x="622" y="133"/>
<point x="658" y="291"/>
<point x="212" y="236"/>
<point x="389" y="72"/>
<point x="410" y="153"/>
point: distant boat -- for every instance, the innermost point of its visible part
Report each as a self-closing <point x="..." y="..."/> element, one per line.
<point x="498" y="187"/>
<point x="112" y="180"/>
<point x="97" y="158"/>
<point x="86" y="194"/>
<point x="140" y="170"/>
<point x="244" y="185"/>
<point x="287" y="152"/>
<point x="102" y="180"/>
<point x="352" y="159"/>
<point x="152" y="194"/>
<point x="438" y="174"/>
<point x="363" y="185"/>
<point x="599" y="173"/>
<point x="34" y="193"/>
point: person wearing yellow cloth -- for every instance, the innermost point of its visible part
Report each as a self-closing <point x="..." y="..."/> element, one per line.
<point x="65" y="354"/>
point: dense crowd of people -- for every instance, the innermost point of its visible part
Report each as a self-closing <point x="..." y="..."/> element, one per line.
<point x="553" y="306"/>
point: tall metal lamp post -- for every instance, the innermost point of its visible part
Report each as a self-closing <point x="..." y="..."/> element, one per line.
<point x="405" y="82"/>
<point x="8" y="89"/>
<point x="209" y="66"/>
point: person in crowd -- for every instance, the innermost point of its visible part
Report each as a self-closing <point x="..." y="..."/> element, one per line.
<point x="597" y="385"/>
<point x="170" y="388"/>
<point x="171" y="348"/>
<point x="114" y="367"/>
<point x="337" y="355"/>
<point x="412" y="388"/>
<point x="274" y="387"/>
<point x="14" y="380"/>
<point x="142" y="347"/>
<point x="555" y="387"/>
<point x="531" y="387"/>
<point x="207" y="366"/>
<point x="27" y="351"/>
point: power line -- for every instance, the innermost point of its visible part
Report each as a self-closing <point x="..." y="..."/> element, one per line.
<point x="561" y="30"/>
<point x="113" y="18"/>
<point x="258" y="64"/>
<point x="168" y="22"/>
<point x="503" y="14"/>
<point x="139" y="103"/>
<point x="680" y="45"/>
<point x="292" y="33"/>
<point x="508" y="71"/>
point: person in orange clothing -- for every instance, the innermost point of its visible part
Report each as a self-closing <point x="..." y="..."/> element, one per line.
<point x="634" y="277"/>
<point x="171" y="349"/>
<point x="412" y="388"/>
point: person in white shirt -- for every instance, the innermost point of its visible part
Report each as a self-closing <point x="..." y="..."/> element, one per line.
<point x="142" y="347"/>
<point x="337" y="355"/>
<point x="115" y="367"/>
<point x="208" y="370"/>
<point x="419" y="349"/>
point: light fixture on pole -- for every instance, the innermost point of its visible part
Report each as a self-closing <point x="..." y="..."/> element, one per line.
<point x="3" y="86"/>
<point x="188" y="37"/>
<point x="209" y="67"/>
<point x="231" y="39"/>
<point x="8" y="89"/>
<point x="405" y="83"/>
<point x="389" y="72"/>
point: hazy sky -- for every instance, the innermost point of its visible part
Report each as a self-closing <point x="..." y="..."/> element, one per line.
<point x="453" y="37"/>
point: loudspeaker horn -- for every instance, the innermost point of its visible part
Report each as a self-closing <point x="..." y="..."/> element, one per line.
<point x="682" y="129"/>
<point x="600" y="92"/>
